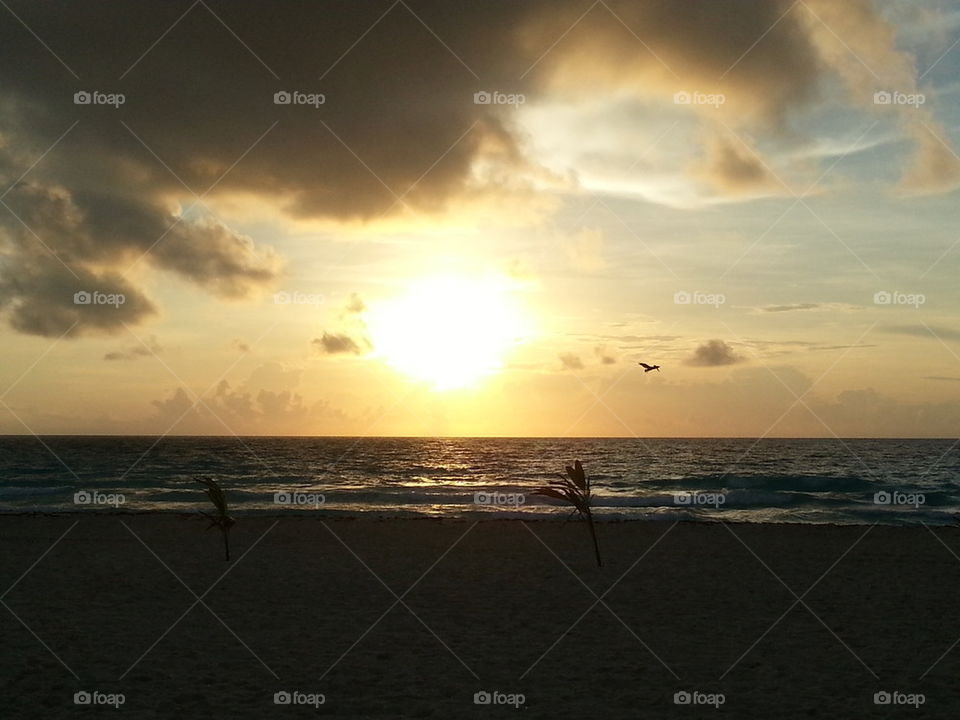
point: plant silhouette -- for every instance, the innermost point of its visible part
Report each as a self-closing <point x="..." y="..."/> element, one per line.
<point x="220" y="518"/>
<point x="574" y="488"/>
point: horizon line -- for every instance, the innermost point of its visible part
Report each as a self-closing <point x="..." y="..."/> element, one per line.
<point x="489" y="437"/>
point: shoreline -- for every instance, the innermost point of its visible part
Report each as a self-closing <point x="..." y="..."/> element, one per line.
<point x="478" y="517"/>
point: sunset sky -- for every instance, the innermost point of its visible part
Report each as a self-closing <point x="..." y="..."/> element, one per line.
<point x="759" y="195"/>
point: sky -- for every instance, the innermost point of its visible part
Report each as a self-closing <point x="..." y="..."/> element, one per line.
<point x="425" y="218"/>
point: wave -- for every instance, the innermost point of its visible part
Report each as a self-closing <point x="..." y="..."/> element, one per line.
<point x="11" y="492"/>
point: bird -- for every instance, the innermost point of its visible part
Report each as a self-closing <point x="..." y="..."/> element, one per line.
<point x="648" y="368"/>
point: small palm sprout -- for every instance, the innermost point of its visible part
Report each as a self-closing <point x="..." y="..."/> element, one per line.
<point x="574" y="489"/>
<point x="220" y="518"/>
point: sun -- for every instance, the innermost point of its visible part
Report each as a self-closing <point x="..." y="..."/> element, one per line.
<point x="448" y="330"/>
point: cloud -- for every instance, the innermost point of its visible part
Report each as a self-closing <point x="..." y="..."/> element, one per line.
<point x="355" y="304"/>
<point x="149" y="347"/>
<point x="265" y="403"/>
<point x="399" y="132"/>
<point x="41" y="296"/>
<point x="63" y="241"/>
<point x="934" y="168"/>
<point x="684" y="52"/>
<point x="338" y="344"/>
<point x="605" y="357"/>
<point x="860" y="43"/>
<point x="842" y="347"/>
<point x="944" y="378"/>
<point x="790" y="308"/>
<point x="868" y="413"/>
<point x="570" y="361"/>
<point x="931" y="332"/>
<point x="243" y="410"/>
<point x="714" y="353"/>
<point x="732" y="169"/>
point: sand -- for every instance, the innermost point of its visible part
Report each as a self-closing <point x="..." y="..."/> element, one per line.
<point x="485" y="607"/>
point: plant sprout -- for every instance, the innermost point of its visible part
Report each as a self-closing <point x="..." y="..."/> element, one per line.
<point x="574" y="488"/>
<point x="220" y="518"/>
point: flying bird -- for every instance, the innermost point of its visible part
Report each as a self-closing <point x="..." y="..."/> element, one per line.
<point x="648" y="368"/>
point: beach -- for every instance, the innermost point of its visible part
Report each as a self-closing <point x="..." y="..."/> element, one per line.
<point x="419" y="618"/>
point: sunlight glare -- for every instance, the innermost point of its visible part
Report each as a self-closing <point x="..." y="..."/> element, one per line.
<point x="449" y="330"/>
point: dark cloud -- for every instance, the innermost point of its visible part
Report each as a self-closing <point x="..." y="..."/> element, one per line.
<point x="58" y="240"/>
<point x="714" y="353"/>
<point x="399" y="127"/>
<point x="944" y="378"/>
<point x="733" y="169"/>
<point x="44" y="297"/>
<point x="338" y="344"/>
<point x="570" y="361"/>
<point x="682" y="49"/>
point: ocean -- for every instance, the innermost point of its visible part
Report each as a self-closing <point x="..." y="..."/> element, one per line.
<point x="855" y="481"/>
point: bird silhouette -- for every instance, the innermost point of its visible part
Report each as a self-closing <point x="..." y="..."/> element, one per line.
<point x="648" y="368"/>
